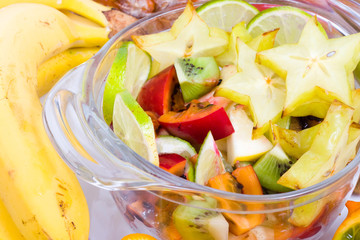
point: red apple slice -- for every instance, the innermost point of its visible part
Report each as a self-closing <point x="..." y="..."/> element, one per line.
<point x="194" y="123"/>
<point x="155" y="95"/>
<point x="173" y="163"/>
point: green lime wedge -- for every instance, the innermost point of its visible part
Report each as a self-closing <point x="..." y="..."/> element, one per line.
<point x="290" y="20"/>
<point x="225" y="14"/>
<point x="134" y="127"/>
<point x="129" y="70"/>
<point x="171" y="144"/>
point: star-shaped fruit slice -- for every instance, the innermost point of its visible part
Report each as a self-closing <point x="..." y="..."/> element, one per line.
<point x="317" y="70"/>
<point x="255" y="86"/>
<point x="317" y="164"/>
<point x="188" y="36"/>
<point x="260" y="43"/>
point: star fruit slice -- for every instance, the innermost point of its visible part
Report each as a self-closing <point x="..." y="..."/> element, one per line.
<point x="316" y="69"/>
<point x="260" y="43"/>
<point x="230" y="55"/>
<point x="188" y="36"/>
<point x="317" y="164"/>
<point x="255" y="86"/>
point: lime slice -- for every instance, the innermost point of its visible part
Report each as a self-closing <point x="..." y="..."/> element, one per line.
<point x="225" y="14"/>
<point x="134" y="127"/>
<point x="290" y="20"/>
<point x="129" y="70"/>
<point x="170" y="144"/>
<point x="209" y="163"/>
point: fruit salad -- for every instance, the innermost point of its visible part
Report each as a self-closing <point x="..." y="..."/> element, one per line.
<point x="255" y="101"/>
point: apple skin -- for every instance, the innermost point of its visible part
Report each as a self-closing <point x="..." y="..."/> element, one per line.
<point x="194" y="123"/>
<point x="155" y="95"/>
<point x="173" y="163"/>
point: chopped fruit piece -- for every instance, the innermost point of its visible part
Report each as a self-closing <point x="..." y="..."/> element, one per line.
<point x="199" y="223"/>
<point x="240" y="145"/>
<point x="294" y="143"/>
<point x="189" y="171"/>
<point x="155" y="95"/>
<point x="348" y="153"/>
<point x="318" y="163"/>
<point x="209" y="163"/>
<point x="271" y="166"/>
<point x="226" y="14"/>
<point x="129" y="70"/>
<point x="225" y="182"/>
<point x="316" y="70"/>
<point x="247" y="177"/>
<point x="261" y="232"/>
<point x="284" y="122"/>
<point x="350" y="227"/>
<point x="356" y="105"/>
<point x="194" y="123"/>
<point x="170" y="144"/>
<point x="239" y="223"/>
<point x="227" y="72"/>
<point x="134" y="127"/>
<point x="173" y="163"/>
<point x="229" y="57"/>
<point x="289" y="20"/>
<point x="169" y="232"/>
<point x="188" y="36"/>
<point x="255" y="86"/>
<point x="264" y="41"/>
<point x="219" y="101"/>
<point x="308" y="215"/>
<point x="154" y="120"/>
<point x="138" y="236"/>
<point x="197" y="76"/>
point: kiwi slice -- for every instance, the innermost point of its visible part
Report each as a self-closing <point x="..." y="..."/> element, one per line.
<point x="198" y="223"/>
<point x="197" y="76"/>
<point x="270" y="167"/>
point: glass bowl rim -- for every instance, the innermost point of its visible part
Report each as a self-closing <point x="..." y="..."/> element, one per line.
<point x="190" y="185"/>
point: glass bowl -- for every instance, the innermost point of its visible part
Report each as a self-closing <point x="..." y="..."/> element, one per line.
<point x="147" y="195"/>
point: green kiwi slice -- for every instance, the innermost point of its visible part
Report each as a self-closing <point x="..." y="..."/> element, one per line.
<point x="197" y="76"/>
<point x="199" y="223"/>
<point x="270" y="167"/>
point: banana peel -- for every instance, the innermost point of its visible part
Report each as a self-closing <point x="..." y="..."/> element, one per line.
<point x="39" y="191"/>
<point x="8" y="229"/>
<point x="86" y="8"/>
<point x="50" y="71"/>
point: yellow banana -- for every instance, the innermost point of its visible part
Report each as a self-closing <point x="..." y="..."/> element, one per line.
<point x="53" y="69"/>
<point x="8" y="229"/>
<point x="40" y="192"/>
<point x="87" y="8"/>
<point x="91" y="33"/>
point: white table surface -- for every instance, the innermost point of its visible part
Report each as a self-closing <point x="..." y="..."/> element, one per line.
<point x="107" y="222"/>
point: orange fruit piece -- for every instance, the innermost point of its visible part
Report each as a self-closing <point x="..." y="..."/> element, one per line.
<point x="350" y="227"/>
<point x="138" y="236"/>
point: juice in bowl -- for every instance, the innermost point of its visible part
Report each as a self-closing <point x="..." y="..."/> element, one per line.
<point x="243" y="200"/>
